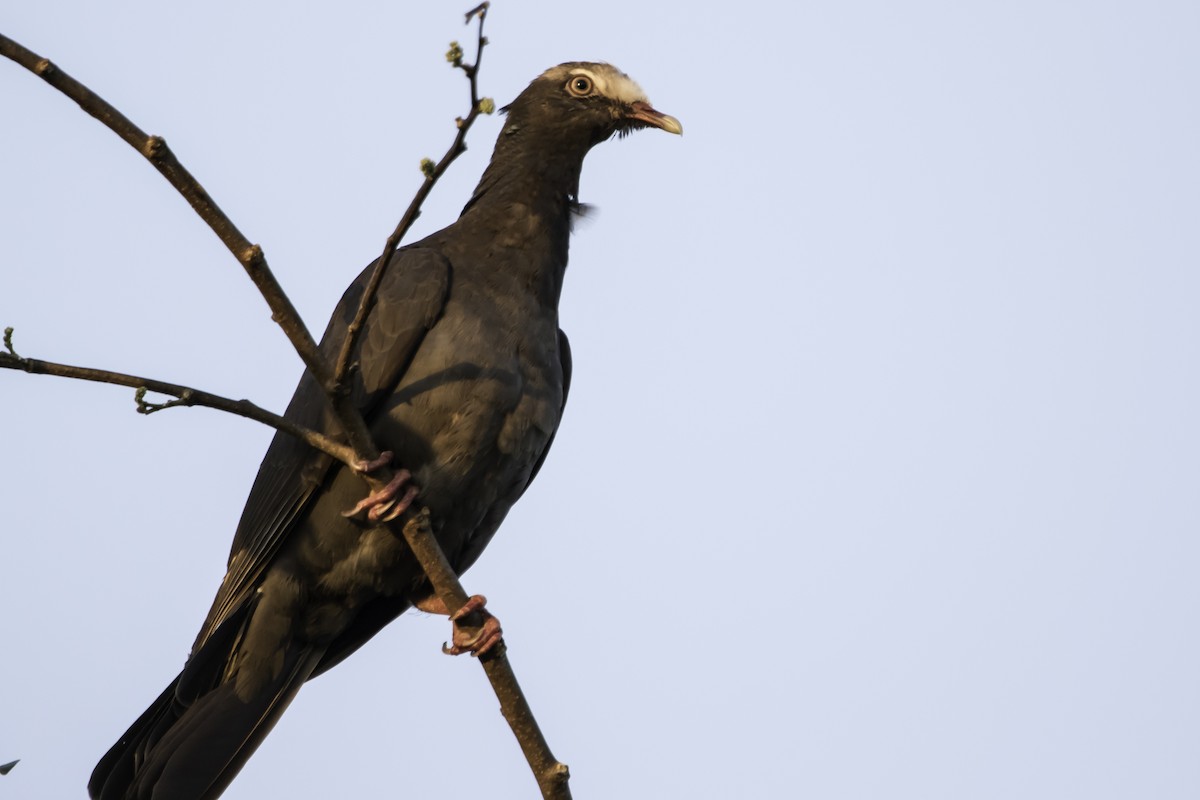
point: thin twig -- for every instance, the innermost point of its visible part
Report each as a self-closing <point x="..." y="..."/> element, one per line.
<point x="185" y="396"/>
<point x="432" y="174"/>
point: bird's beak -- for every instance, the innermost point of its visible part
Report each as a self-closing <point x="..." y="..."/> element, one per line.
<point x="644" y="112"/>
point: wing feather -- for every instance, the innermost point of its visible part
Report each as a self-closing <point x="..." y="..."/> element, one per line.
<point x="410" y="300"/>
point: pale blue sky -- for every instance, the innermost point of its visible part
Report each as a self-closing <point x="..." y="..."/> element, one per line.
<point x="879" y="473"/>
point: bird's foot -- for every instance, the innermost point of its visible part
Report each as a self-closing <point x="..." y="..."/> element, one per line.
<point x="477" y="636"/>
<point x="387" y="503"/>
<point x="479" y="632"/>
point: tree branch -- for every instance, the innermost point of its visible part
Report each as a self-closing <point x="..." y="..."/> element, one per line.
<point x="185" y="396"/>
<point x="250" y="256"/>
<point x="155" y="149"/>
<point x="432" y="174"/>
<point x="551" y="774"/>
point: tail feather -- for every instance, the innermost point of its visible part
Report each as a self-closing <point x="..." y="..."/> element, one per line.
<point x="117" y="767"/>
<point x="192" y="752"/>
<point x="191" y="742"/>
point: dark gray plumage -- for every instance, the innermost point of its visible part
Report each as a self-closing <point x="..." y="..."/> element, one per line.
<point x="463" y="374"/>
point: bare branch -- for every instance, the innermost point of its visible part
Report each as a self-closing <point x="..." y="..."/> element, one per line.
<point x="147" y="408"/>
<point x="433" y="172"/>
<point x="552" y="775"/>
<point x="250" y="256"/>
<point x="185" y="396"/>
<point x="155" y="149"/>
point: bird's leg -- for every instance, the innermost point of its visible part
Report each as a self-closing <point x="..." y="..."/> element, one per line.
<point x="479" y="631"/>
<point x="385" y="504"/>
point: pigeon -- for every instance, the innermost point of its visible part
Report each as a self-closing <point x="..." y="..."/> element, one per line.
<point x="461" y="372"/>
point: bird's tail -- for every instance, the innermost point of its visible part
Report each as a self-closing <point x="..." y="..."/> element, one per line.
<point x="191" y="742"/>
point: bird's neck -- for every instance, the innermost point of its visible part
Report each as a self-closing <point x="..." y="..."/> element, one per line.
<point x="522" y="172"/>
<point x="529" y="194"/>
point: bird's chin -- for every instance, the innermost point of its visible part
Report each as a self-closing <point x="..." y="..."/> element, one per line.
<point x="643" y="115"/>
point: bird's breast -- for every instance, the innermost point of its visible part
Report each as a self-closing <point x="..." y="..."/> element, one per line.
<point x="477" y="406"/>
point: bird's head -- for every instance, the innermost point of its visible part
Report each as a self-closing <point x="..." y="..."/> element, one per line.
<point x="553" y="124"/>
<point x="580" y="104"/>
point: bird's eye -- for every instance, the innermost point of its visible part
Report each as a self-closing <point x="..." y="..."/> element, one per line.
<point x="580" y="86"/>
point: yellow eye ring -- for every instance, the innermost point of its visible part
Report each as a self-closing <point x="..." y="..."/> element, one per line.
<point x="580" y="85"/>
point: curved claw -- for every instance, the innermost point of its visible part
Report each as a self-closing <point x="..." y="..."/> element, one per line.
<point x="363" y="467"/>
<point x="484" y="639"/>
<point x="475" y="602"/>
<point x="383" y="504"/>
<point x="383" y="514"/>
